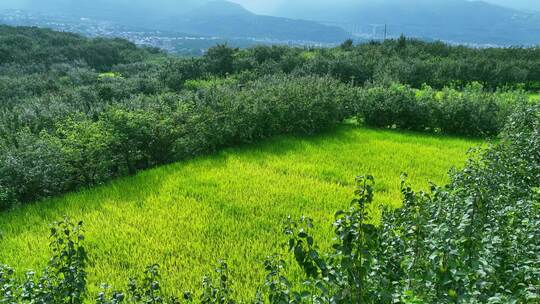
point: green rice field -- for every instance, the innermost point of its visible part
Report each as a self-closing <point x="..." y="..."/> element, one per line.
<point x="231" y="205"/>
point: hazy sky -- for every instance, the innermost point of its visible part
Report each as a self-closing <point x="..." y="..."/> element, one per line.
<point x="269" y="6"/>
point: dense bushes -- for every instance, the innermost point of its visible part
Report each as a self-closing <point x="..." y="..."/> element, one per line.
<point x="410" y="62"/>
<point x="472" y="111"/>
<point x="53" y="144"/>
<point x="82" y="149"/>
<point x="64" y="125"/>
<point x="394" y="105"/>
<point x="475" y="240"/>
<point x="405" y="61"/>
<point x="31" y="50"/>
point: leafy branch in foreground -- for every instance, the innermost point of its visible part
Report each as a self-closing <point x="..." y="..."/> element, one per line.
<point x="64" y="278"/>
<point x="476" y="240"/>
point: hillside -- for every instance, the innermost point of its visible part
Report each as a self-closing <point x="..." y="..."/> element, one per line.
<point x="207" y="18"/>
<point x="225" y="19"/>
<point x="36" y="48"/>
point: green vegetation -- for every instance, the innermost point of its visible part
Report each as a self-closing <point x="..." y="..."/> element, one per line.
<point x="77" y="125"/>
<point x="460" y="243"/>
<point x="230" y="205"/>
<point x="475" y="240"/>
<point x="472" y="111"/>
<point x="76" y="149"/>
<point x="37" y="50"/>
<point x="89" y="116"/>
<point x="65" y="149"/>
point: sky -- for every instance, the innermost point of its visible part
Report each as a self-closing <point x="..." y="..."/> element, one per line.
<point x="271" y="6"/>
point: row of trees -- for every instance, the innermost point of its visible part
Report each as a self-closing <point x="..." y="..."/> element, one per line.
<point x="406" y="61"/>
<point x="35" y="61"/>
<point x="51" y="147"/>
<point x="61" y="150"/>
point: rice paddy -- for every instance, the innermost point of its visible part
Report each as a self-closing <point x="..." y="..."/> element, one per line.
<point x="187" y="216"/>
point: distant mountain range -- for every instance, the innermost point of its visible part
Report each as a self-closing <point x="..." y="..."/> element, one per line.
<point x="459" y="21"/>
<point x="208" y="18"/>
<point x="226" y="19"/>
<point x="527" y="5"/>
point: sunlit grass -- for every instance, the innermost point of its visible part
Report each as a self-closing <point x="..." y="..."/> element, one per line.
<point x="535" y="97"/>
<point x="188" y="215"/>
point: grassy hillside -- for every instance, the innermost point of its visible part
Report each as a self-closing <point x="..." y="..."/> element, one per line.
<point x="31" y="49"/>
<point x="188" y="215"/>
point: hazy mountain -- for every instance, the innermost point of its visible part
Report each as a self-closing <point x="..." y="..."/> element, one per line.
<point x="451" y="20"/>
<point x="460" y="21"/>
<point x="209" y="18"/>
<point x="227" y="19"/>
<point x="272" y="6"/>
<point x="527" y="5"/>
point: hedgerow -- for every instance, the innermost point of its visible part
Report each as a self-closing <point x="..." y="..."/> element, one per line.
<point x="472" y="111"/>
<point x="63" y="149"/>
<point x="52" y="147"/>
<point x="475" y="240"/>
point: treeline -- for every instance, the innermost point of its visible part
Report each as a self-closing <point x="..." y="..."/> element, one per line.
<point x="27" y="50"/>
<point x="475" y="240"/>
<point x="51" y="145"/>
<point x="406" y="61"/>
<point x="471" y="111"/>
<point x="60" y="147"/>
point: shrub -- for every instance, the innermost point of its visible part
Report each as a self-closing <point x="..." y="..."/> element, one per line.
<point x="220" y="59"/>
<point x="72" y="149"/>
<point x="35" y="168"/>
<point x="470" y="112"/>
<point x="396" y="105"/>
<point x="85" y="145"/>
<point x="175" y="73"/>
<point x="64" y="278"/>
